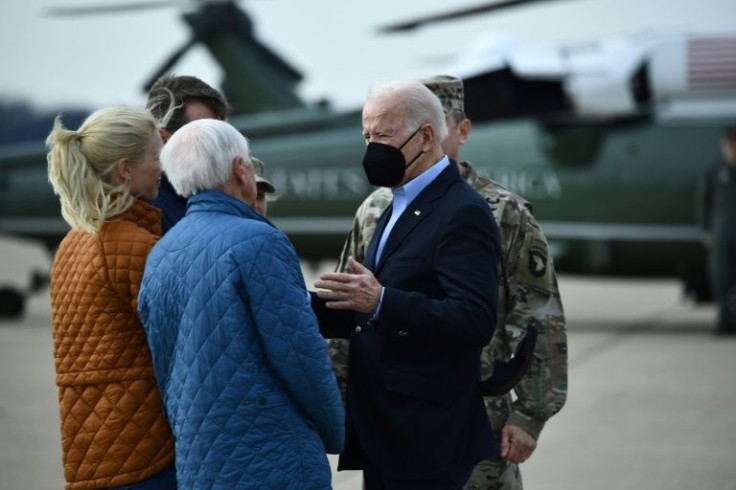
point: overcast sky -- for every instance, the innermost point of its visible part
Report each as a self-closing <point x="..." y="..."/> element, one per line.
<point x="100" y="60"/>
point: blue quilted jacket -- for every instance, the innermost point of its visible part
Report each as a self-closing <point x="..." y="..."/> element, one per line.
<point x="243" y="370"/>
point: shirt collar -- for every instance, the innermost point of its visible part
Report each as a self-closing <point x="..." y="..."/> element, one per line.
<point x="409" y="191"/>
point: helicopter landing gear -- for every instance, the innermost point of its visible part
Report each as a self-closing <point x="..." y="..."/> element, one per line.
<point x="13" y="299"/>
<point x="697" y="285"/>
<point x="12" y="303"/>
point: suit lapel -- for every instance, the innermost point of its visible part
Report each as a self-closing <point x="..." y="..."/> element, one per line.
<point x="410" y="218"/>
<point x="416" y="211"/>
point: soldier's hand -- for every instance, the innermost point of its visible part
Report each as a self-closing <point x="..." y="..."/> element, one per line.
<point x="359" y="291"/>
<point x="516" y="445"/>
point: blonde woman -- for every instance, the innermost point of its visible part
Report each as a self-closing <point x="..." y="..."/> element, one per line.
<point x="114" y="431"/>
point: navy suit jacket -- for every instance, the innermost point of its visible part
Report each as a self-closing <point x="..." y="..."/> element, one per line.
<point x="172" y="205"/>
<point x="414" y="406"/>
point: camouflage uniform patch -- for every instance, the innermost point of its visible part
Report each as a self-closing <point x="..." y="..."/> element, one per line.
<point x="495" y="474"/>
<point x="449" y="90"/>
<point x="528" y="294"/>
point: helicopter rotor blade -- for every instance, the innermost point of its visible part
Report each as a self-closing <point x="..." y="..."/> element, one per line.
<point x="109" y="9"/>
<point x="170" y="62"/>
<point x="455" y="14"/>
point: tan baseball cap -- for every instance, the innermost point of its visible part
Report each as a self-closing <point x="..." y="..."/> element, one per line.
<point x="449" y="90"/>
<point x="258" y="166"/>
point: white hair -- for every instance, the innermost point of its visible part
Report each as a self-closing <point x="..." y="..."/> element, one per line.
<point x="199" y="156"/>
<point x="420" y="105"/>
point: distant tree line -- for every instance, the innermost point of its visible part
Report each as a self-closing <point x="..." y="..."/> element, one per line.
<point x="21" y="122"/>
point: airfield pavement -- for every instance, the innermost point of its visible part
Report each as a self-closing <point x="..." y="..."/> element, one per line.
<point x="651" y="405"/>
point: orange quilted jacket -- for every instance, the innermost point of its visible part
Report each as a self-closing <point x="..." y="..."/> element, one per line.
<point x="113" y="430"/>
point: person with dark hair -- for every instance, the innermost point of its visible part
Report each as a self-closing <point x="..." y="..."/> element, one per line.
<point x="718" y="223"/>
<point x="187" y="99"/>
<point x="192" y="97"/>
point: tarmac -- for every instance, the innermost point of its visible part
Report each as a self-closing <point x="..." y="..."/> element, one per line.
<point x="651" y="404"/>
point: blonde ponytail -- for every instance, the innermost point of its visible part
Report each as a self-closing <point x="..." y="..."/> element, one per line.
<point x="81" y="163"/>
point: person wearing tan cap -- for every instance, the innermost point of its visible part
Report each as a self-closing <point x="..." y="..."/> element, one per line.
<point x="528" y="295"/>
<point x="266" y="190"/>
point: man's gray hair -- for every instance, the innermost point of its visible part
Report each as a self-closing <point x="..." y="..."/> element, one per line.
<point x="421" y="106"/>
<point x="199" y="156"/>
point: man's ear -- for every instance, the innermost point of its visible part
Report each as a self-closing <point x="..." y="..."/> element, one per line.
<point x="238" y="168"/>
<point x="165" y="135"/>
<point x="464" y="127"/>
<point x="428" y="134"/>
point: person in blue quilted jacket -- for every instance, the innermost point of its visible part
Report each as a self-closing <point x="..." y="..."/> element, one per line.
<point x="244" y="373"/>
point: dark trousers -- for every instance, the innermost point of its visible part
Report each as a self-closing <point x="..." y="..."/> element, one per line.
<point x="375" y="480"/>
<point x="723" y="281"/>
<point x="163" y="480"/>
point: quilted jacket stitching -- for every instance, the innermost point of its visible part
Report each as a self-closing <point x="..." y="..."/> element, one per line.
<point x="247" y="263"/>
<point x="88" y="401"/>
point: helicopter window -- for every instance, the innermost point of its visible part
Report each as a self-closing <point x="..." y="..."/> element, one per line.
<point x="641" y="87"/>
<point x="502" y="95"/>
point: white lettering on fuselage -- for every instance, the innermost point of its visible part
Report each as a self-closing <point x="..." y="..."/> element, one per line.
<point x="335" y="183"/>
<point x="321" y="183"/>
<point x="529" y="183"/>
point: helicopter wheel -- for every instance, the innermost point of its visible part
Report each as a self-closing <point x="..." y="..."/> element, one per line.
<point x="12" y="303"/>
<point x="697" y="286"/>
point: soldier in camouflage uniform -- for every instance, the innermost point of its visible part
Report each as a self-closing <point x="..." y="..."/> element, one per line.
<point x="528" y="295"/>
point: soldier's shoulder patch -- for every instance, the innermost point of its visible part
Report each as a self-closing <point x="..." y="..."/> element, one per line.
<point x="538" y="258"/>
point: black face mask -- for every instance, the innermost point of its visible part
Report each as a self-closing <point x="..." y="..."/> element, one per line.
<point x="385" y="165"/>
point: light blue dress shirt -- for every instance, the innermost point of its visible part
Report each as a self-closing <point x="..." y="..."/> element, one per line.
<point x="403" y="196"/>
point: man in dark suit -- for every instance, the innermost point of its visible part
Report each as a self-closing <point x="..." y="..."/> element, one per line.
<point x="192" y="99"/>
<point x="419" y="310"/>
